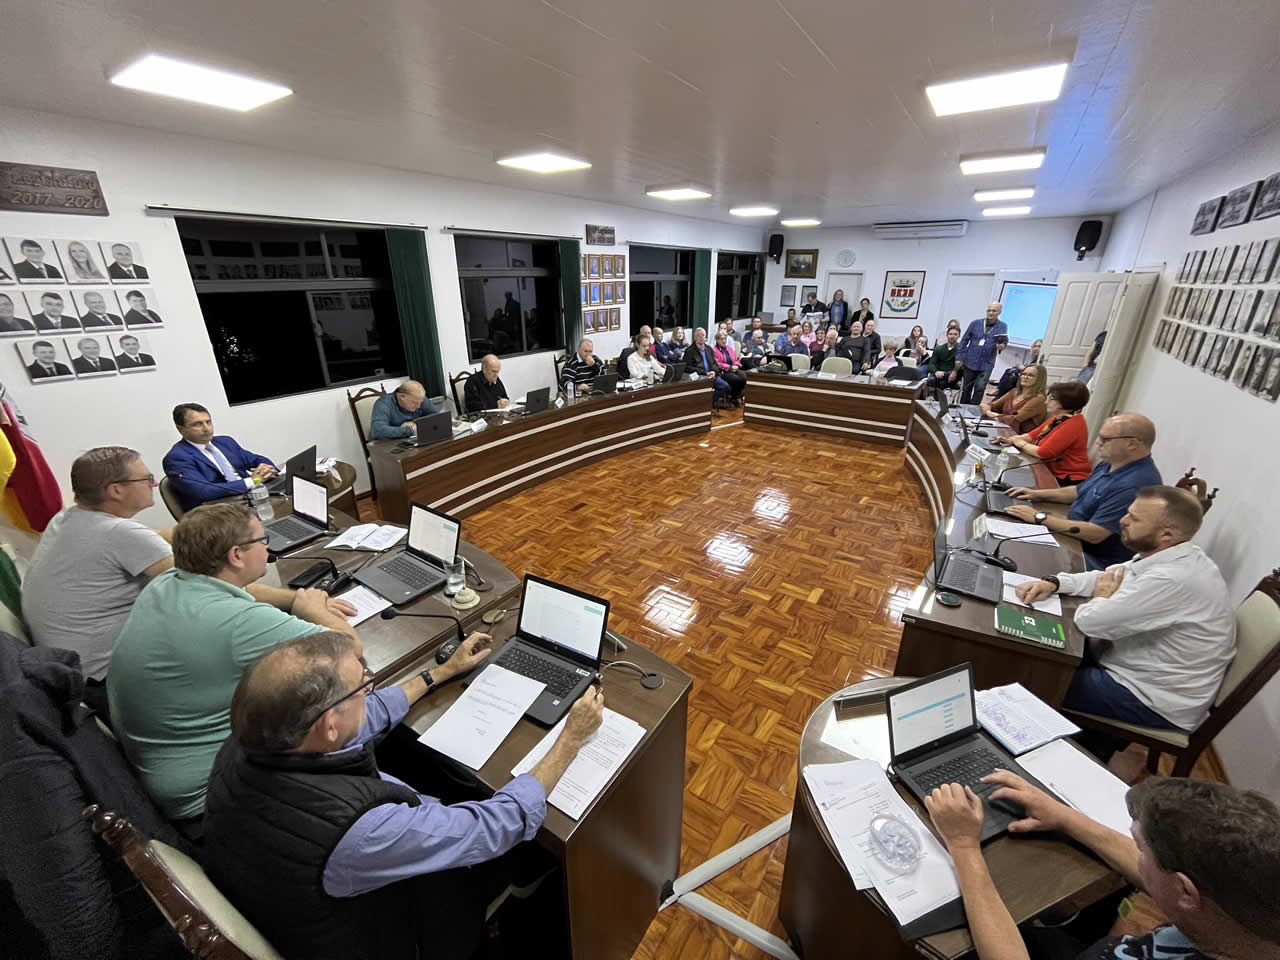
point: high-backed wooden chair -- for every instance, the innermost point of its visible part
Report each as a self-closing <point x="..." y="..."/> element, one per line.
<point x="1257" y="660"/>
<point x="361" y="405"/>
<point x="208" y="925"/>
<point x="170" y="499"/>
<point x="456" y="381"/>
<point x="1198" y="487"/>
<point x="558" y="363"/>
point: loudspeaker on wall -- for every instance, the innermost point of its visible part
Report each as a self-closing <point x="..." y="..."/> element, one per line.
<point x="775" y="247"/>
<point x="1087" y="237"/>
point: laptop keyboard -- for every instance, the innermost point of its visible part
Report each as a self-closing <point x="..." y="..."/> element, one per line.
<point x="966" y="769"/>
<point x="291" y="529"/>
<point x="962" y="574"/>
<point x="410" y="573"/>
<point x="559" y="680"/>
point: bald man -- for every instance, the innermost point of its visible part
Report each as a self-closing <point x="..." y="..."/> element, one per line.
<point x="394" y="413"/>
<point x="976" y="353"/>
<point x="1099" y="501"/>
<point x="484" y="389"/>
<point x="582" y="368"/>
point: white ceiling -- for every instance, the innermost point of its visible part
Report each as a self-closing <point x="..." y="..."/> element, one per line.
<point x="814" y="106"/>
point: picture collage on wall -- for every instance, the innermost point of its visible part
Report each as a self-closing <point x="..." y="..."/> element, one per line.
<point x="1221" y="316"/>
<point x="604" y="281"/>
<point x="77" y="309"/>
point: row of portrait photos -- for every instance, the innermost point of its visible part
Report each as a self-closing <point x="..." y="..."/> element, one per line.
<point x="594" y="294"/>
<point x="41" y="260"/>
<point x="597" y="266"/>
<point x="67" y="310"/>
<point x="600" y="321"/>
<point x="85" y="358"/>
<point x="1233" y="263"/>
<point x="1250" y="311"/>
<point x="1251" y="366"/>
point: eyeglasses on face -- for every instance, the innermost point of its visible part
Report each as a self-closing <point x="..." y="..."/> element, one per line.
<point x="366" y="686"/>
<point x="149" y="480"/>
<point x="1101" y="439"/>
<point x="249" y="543"/>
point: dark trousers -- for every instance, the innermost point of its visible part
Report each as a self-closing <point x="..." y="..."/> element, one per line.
<point x="737" y="381"/>
<point x="975" y="385"/>
<point x="1095" y="691"/>
<point x="95" y="697"/>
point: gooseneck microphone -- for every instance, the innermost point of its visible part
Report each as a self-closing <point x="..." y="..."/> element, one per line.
<point x="392" y="614"/>
<point x="1008" y="563"/>
<point x="997" y="483"/>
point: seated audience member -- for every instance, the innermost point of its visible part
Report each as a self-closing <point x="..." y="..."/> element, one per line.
<point x="862" y="314"/>
<point x="678" y="344"/>
<point x="700" y="358"/>
<point x="1101" y="497"/>
<point x="916" y="353"/>
<point x="951" y="325"/>
<point x="1160" y="627"/>
<point x="1022" y="408"/>
<point x="876" y="348"/>
<point x="1009" y="379"/>
<point x="732" y="334"/>
<point x="484" y="389"/>
<point x="92" y="562"/>
<point x="786" y="324"/>
<point x="328" y="856"/>
<point x="819" y="342"/>
<point x="889" y="358"/>
<point x="806" y="334"/>
<point x="667" y="352"/>
<point x="856" y="347"/>
<point x="756" y="325"/>
<point x="1206" y="853"/>
<point x="203" y="467"/>
<point x="755" y="352"/>
<point x="916" y="333"/>
<point x="583" y="367"/>
<point x="394" y="413"/>
<point x="191" y="633"/>
<point x="729" y="367"/>
<point x="654" y="341"/>
<point x="830" y="345"/>
<point x="784" y="346"/>
<point x="641" y="365"/>
<point x="942" y="364"/>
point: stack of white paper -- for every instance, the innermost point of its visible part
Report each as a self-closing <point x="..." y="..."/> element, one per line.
<point x="1081" y="782"/>
<point x="368" y="536"/>
<point x="1051" y="605"/>
<point x="848" y="795"/>
<point x="366" y="602"/>
<point x="866" y="738"/>
<point x="1008" y="528"/>
<point x="480" y="719"/>
<point x="598" y="760"/>
<point x="1019" y="719"/>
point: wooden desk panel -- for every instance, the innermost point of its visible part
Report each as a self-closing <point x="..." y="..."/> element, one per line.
<point x="466" y="474"/>
<point x="852" y="408"/>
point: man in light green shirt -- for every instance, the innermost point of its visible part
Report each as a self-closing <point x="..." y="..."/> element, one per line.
<point x="192" y="632"/>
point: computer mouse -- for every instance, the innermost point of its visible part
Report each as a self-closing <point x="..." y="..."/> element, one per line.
<point x="446" y="650"/>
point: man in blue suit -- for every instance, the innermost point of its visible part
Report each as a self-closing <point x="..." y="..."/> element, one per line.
<point x="202" y="467"/>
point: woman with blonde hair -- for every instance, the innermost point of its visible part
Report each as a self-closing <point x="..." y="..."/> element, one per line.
<point x="80" y="260"/>
<point x="806" y="334"/>
<point x="1022" y="408"/>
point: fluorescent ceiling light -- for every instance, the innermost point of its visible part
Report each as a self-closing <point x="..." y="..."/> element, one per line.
<point x="1035" y="85"/>
<point x="190" y="81"/>
<point x="684" y="191"/>
<point x="802" y="222"/>
<point x="1013" y="193"/>
<point x="753" y="211"/>
<point x="544" y="163"/>
<point x="1006" y="211"/>
<point x="1001" y="162"/>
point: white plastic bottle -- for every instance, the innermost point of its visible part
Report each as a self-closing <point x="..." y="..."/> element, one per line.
<point x="261" y="501"/>
<point x="1002" y="462"/>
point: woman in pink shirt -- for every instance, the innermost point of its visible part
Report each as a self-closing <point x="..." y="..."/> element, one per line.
<point x="730" y="369"/>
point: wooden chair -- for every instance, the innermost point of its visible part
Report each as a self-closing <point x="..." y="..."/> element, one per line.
<point x="558" y="363"/>
<point x="454" y="383"/>
<point x="206" y="922"/>
<point x="1198" y="487"/>
<point x="361" y="412"/>
<point x="170" y="499"/>
<point x="1256" y="661"/>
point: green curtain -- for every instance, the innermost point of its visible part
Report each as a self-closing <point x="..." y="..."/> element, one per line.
<point x="411" y="277"/>
<point x="571" y="293"/>
<point x="700" y="310"/>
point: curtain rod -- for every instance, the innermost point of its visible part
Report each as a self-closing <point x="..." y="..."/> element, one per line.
<point x="164" y="209"/>
<point x="510" y="233"/>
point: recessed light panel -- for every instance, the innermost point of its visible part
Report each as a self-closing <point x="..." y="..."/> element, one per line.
<point x="1002" y="162"/>
<point x="544" y="163"/>
<point x="759" y="211"/>
<point x="190" y="81"/>
<point x="802" y="222"/>
<point x="1006" y="211"/>
<point x="995" y="196"/>
<point x="1036" y="85"/>
<point x="686" y="191"/>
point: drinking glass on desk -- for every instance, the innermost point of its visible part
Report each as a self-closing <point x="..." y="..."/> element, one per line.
<point x="455" y="575"/>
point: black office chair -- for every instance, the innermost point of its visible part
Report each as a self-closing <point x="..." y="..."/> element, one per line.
<point x="621" y="362"/>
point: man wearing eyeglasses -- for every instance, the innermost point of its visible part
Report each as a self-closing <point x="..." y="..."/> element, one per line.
<point x="191" y="633"/>
<point x="328" y="856"/>
<point x="92" y="562"/>
<point x="1124" y="467"/>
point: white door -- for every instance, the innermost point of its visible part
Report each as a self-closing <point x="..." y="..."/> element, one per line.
<point x="968" y="294"/>
<point x="850" y="283"/>
<point x="1119" y="351"/>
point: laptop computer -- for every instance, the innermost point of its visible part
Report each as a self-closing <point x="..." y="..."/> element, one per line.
<point x="972" y="578"/>
<point x="605" y="383"/>
<point x="431" y="429"/>
<point x="673" y="373"/>
<point x="934" y="740"/>
<point x="557" y="641"/>
<point x="309" y="520"/>
<point x="419" y="567"/>
<point x="535" y="401"/>
<point x="999" y="502"/>
<point x="299" y="465"/>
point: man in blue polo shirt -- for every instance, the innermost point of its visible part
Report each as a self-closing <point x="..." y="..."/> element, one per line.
<point x="977" y="350"/>
<point x="1102" y="498"/>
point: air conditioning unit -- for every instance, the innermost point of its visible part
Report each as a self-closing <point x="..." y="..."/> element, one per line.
<point x="920" y="229"/>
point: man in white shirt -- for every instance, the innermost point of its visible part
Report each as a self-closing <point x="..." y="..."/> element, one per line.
<point x="202" y="467"/>
<point x="1160" y="626"/>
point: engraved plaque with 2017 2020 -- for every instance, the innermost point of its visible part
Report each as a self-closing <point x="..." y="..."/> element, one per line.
<point x="25" y="186"/>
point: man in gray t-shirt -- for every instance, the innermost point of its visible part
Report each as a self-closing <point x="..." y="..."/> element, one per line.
<point x="92" y="562"/>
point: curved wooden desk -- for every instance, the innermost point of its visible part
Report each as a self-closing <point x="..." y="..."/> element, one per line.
<point x="860" y="408"/>
<point x="514" y="452"/>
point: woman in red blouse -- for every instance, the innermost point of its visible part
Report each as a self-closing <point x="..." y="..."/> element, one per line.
<point x="1063" y="438"/>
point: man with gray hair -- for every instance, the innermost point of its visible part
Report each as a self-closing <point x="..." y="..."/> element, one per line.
<point x="582" y="368"/>
<point x="484" y="389"/>
<point x="92" y="562"/>
<point x="90" y="358"/>
<point x="394" y="413"/>
<point x="328" y="856"/>
<point x="976" y="353"/>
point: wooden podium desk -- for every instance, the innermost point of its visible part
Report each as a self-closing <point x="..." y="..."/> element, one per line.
<point x="464" y="474"/>
<point x="856" y="408"/>
<point x="935" y="637"/>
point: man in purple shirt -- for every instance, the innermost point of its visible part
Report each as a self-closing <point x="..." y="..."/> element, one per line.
<point x="328" y="856"/>
<point x="977" y="351"/>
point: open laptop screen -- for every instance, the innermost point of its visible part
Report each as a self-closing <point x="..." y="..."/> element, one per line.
<point x="433" y="534"/>
<point x="564" y="617"/>
<point x="931" y="709"/>
<point x="311" y="500"/>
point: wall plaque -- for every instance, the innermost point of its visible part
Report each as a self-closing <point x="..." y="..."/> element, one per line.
<point x="26" y="186"/>
<point x="598" y="236"/>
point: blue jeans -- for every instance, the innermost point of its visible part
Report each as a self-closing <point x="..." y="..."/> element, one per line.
<point x="1095" y="691"/>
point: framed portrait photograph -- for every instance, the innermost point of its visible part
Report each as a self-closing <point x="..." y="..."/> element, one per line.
<point x="802" y="264"/>
<point x="1273" y="325"/>
<point x="1206" y="219"/>
<point x="1229" y="353"/>
<point x="583" y="297"/>
<point x="620" y="265"/>
<point x="1248" y="302"/>
<point x="588" y="321"/>
<point x="788" y="298"/>
<point x="606" y="292"/>
<point x="1184" y="340"/>
<point x="1261" y="319"/>
<point x="52" y="311"/>
<point x="1258" y="369"/>
<point x="14" y="316"/>
<point x="1268" y="202"/>
<point x="594" y="294"/>
<point x="593" y="268"/>
<point x="1224" y="263"/>
<point x="615" y="319"/>
<point x="807" y="289"/>
<point x="132" y="353"/>
<point x="125" y="261"/>
<point x="33" y="260"/>
<point x="1197" y="266"/>
<point x="1185" y="268"/>
<point x="1270" y="387"/>
<point x="89" y="357"/>
<point x="45" y="360"/>
<point x="1237" y="208"/>
<point x="1267" y="261"/>
<point x="140" y="308"/>
<point x="1210" y="361"/>
<point x="619" y="291"/>
<point x="1193" y="348"/>
<point x="1220" y="309"/>
<point x="1250" y="267"/>
<point x="81" y="261"/>
<point x="97" y="307"/>
<point x="584" y="266"/>
<point x="606" y="266"/>
<point x="1237" y="264"/>
<point x="1241" y="369"/>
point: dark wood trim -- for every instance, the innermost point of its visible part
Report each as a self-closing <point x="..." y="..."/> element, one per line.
<point x="853" y="410"/>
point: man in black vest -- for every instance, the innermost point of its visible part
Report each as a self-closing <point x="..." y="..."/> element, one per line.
<point x="326" y="855"/>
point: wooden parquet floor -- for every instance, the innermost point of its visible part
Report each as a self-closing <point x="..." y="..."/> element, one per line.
<point x="773" y="567"/>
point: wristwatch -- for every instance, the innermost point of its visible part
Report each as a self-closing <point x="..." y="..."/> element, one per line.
<point x="1041" y="517"/>
<point x="426" y="676"/>
<point x="1057" y="584"/>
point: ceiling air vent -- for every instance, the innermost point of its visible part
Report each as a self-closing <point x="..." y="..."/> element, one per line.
<point x="920" y="229"/>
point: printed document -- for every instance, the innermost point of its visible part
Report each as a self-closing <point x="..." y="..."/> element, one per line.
<point x="1081" y="782"/>
<point x="1019" y="719"/>
<point x="1004" y="529"/>
<point x="366" y="602"/>
<point x="866" y="738"/>
<point x="1051" y="605"/>
<point x="598" y="760"/>
<point x="368" y="536"/>
<point x="480" y="719"/>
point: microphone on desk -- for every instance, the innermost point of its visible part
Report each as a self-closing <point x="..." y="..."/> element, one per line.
<point x="996" y="484"/>
<point x="392" y="614"/>
<point x="482" y="584"/>
<point x="1008" y="563"/>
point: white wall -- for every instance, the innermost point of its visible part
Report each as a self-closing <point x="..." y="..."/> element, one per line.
<point x="139" y="167"/>
<point x="1212" y="425"/>
<point x="988" y="246"/>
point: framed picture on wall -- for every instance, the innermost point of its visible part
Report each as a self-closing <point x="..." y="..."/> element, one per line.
<point x="1197" y="266"/>
<point x="593" y="267"/>
<point x="1262" y="273"/>
<point x="584" y="265"/>
<point x="1206" y="220"/>
<point x="606" y="292"/>
<point x="14" y="317"/>
<point x="802" y="264"/>
<point x="1270" y="388"/>
<point x="1268" y="203"/>
<point x="619" y="291"/>
<point x="34" y="260"/>
<point x="902" y="292"/>
<point x="620" y="266"/>
<point x="46" y="360"/>
<point x="588" y="321"/>
<point x="1248" y="303"/>
<point x="584" y="294"/>
<point x="1237" y="264"/>
<point x="606" y="267"/>
<point x="1241" y="369"/>
<point x="615" y="319"/>
<point x="807" y="289"/>
<point x="1258" y="369"/>
<point x="1250" y="263"/>
<point x="594" y="294"/>
<point x="788" y="298"/>
<point x="1228" y="358"/>
<point x="81" y="261"/>
<point x="1262" y="313"/>
<point x="1237" y="208"/>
